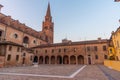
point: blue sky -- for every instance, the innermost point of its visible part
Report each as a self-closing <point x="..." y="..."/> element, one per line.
<point x="74" y="19"/>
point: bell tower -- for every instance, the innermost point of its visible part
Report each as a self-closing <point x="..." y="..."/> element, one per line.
<point x="48" y="26"/>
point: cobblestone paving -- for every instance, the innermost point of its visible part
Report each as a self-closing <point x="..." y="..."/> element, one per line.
<point x="90" y="72"/>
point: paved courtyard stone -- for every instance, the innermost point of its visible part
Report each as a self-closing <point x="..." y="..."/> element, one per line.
<point x="90" y="72"/>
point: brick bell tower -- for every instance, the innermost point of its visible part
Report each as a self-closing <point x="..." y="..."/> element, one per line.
<point x="48" y="26"/>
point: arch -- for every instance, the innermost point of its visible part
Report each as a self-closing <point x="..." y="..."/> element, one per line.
<point x="52" y="59"/>
<point x="26" y="40"/>
<point x="72" y="59"/>
<point x="65" y="59"/>
<point x="15" y="35"/>
<point x="80" y="59"/>
<point x="59" y="60"/>
<point x="41" y="60"/>
<point x="46" y="59"/>
<point x="35" y="59"/>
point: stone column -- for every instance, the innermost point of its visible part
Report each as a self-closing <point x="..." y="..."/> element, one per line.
<point x="43" y="59"/>
<point x="49" y="60"/>
<point x="69" y="59"/>
<point x="76" y="60"/>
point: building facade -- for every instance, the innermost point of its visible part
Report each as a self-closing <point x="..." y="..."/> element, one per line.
<point x="83" y="52"/>
<point x="21" y="45"/>
<point x="115" y="40"/>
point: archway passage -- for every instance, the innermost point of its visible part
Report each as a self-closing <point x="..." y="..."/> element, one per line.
<point x="23" y="61"/>
<point x="89" y="60"/>
<point x="41" y="60"/>
<point x="72" y="59"/>
<point x="46" y="60"/>
<point x="35" y="59"/>
<point x="65" y="59"/>
<point x="59" y="60"/>
<point x="80" y="59"/>
<point x="52" y="59"/>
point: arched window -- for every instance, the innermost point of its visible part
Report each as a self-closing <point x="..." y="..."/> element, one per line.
<point x="26" y="40"/>
<point x="15" y="36"/>
<point x="34" y="41"/>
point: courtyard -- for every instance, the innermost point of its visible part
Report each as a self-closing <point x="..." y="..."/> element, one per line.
<point x="59" y="72"/>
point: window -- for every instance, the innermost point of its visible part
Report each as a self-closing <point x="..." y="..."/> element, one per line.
<point x="52" y="50"/>
<point x="26" y="40"/>
<point x="111" y="51"/>
<point x="10" y="48"/>
<point x="96" y="56"/>
<point x="34" y="41"/>
<point x="18" y="49"/>
<point x="105" y="57"/>
<point x="15" y="36"/>
<point x="104" y="48"/>
<point x="95" y="48"/>
<point x="45" y="51"/>
<point x="64" y="50"/>
<point x="88" y="48"/>
<point x="45" y="27"/>
<point x="17" y="57"/>
<point x="9" y="57"/>
<point x="59" y="50"/>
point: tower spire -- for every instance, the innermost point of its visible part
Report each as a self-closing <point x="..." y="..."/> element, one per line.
<point x="48" y="10"/>
<point x="48" y="26"/>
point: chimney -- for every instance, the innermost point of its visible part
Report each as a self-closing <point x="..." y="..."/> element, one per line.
<point x="1" y="7"/>
<point x="99" y="39"/>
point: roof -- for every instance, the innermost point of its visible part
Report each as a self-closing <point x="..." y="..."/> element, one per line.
<point x="73" y="43"/>
<point x="48" y="11"/>
<point x="7" y="20"/>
